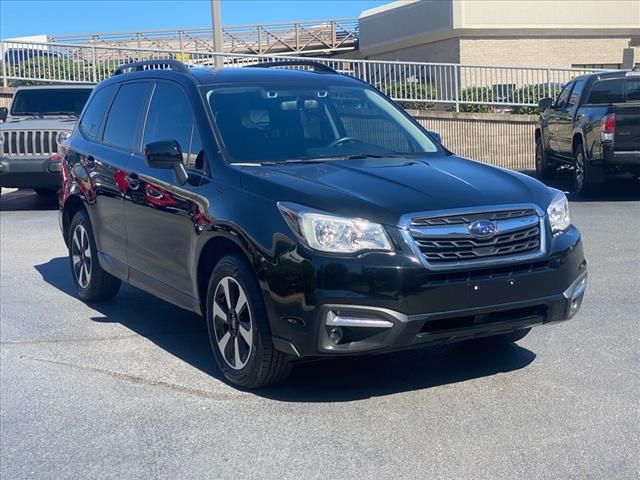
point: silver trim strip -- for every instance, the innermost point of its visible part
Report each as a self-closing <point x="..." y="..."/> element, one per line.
<point x="338" y="321"/>
<point x="461" y="230"/>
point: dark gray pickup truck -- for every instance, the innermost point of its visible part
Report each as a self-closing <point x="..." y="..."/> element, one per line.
<point x="28" y="136"/>
<point x="593" y="126"/>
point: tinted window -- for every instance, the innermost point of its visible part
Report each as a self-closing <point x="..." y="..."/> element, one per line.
<point x="607" y="91"/>
<point x="308" y="121"/>
<point x="563" y="98"/>
<point x="50" y="101"/>
<point x="633" y="89"/>
<point x="90" y="122"/>
<point x="576" y="92"/>
<point x="121" y="128"/>
<point x="171" y="118"/>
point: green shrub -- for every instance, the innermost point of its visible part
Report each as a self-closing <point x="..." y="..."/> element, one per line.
<point x="414" y="90"/>
<point x="477" y="94"/>
<point x="532" y="93"/>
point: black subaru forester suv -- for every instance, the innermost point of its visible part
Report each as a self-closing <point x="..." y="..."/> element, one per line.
<point x="305" y="215"/>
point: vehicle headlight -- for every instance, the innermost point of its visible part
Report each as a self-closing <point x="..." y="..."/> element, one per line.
<point x="558" y="212"/>
<point x="328" y="233"/>
<point x="63" y="136"/>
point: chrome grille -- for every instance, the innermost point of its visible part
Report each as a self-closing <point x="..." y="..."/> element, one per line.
<point x="20" y="143"/>
<point x="445" y="240"/>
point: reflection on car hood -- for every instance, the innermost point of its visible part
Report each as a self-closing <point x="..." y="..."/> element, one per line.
<point x="383" y="190"/>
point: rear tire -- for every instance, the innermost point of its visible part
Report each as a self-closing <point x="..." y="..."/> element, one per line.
<point x="92" y="283"/>
<point x="238" y="326"/>
<point x="583" y="182"/>
<point x="545" y="169"/>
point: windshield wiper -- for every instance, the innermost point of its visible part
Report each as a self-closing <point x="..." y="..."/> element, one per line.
<point x="69" y="114"/>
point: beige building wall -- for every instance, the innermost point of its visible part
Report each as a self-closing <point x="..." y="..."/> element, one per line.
<point x="544" y="52"/>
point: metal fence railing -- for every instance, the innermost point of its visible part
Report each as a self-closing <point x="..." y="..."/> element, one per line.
<point x="414" y="84"/>
<point x="331" y="35"/>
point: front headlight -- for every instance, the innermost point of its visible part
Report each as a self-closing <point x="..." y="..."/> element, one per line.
<point x="328" y="233"/>
<point x="558" y="212"/>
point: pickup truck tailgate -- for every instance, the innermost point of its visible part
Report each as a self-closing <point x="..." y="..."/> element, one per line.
<point x="627" y="129"/>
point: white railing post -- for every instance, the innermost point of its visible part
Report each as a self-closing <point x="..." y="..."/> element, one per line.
<point x="548" y="83"/>
<point x="456" y="86"/>
<point x="93" y="62"/>
<point x="4" y="65"/>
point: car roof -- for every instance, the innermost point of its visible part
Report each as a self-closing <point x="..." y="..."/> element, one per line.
<point x="236" y="75"/>
<point x="56" y="87"/>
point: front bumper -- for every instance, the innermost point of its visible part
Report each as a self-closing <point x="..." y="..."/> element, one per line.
<point x="30" y="172"/>
<point x="385" y="303"/>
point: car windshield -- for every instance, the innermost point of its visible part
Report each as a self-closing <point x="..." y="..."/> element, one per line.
<point x="317" y="122"/>
<point x="63" y="101"/>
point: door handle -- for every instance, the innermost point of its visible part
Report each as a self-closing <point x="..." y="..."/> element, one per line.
<point x="133" y="181"/>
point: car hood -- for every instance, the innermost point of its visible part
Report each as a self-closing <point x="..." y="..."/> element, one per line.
<point x="33" y="123"/>
<point x="383" y="190"/>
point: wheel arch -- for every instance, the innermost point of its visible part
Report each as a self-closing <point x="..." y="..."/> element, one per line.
<point x="212" y="251"/>
<point x="72" y="205"/>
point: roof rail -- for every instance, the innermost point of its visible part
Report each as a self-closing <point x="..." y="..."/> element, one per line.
<point x="160" y="62"/>
<point x="317" y="66"/>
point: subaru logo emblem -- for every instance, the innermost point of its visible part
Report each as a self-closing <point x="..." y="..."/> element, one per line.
<point x="483" y="228"/>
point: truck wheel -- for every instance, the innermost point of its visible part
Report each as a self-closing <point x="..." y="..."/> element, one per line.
<point x="583" y="183"/>
<point x="238" y="327"/>
<point x="545" y="169"/>
<point x="92" y="283"/>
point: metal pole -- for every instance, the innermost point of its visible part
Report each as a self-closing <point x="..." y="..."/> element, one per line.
<point x="216" y="27"/>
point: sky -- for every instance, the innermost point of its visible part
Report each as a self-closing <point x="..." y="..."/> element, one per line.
<point x="34" y="17"/>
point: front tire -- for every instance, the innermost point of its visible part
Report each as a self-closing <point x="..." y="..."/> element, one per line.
<point x="545" y="170"/>
<point x="92" y="283"/>
<point x="238" y="327"/>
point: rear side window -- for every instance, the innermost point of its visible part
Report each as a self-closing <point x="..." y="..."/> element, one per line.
<point x="170" y="117"/>
<point x="121" y="129"/>
<point x="633" y="90"/>
<point x="92" y="118"/>
<point x="607" y="91"/>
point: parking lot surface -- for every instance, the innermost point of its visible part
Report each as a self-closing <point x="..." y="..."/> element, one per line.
<point x="129" y="389"/>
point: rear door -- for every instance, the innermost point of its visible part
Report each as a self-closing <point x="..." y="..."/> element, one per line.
<point x="161" y="228"/>
<point x="107" y="165"/>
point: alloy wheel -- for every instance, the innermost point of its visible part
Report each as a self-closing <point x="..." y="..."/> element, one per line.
<point x="81" y="256"/>
<point x="232" y="323"/>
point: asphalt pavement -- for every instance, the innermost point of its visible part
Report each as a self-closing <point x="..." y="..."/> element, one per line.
<point x="130" y="390"/>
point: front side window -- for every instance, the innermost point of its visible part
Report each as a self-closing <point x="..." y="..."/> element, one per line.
<point x="121" y="128"/>
<point x="170" y="117"/>
<point x="574" y="98"/>
<point x="287" y="122"/>
<point x="563" y="98"/>
<point x="46" y="101"/>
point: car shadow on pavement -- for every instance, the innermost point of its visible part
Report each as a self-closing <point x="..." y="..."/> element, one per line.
<point x="27" y="199"/>
<point x="616" y="189"/>
<point x="184" y="335"/>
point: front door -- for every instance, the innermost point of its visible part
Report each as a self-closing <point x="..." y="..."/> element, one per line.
<point x="161" y="211"/>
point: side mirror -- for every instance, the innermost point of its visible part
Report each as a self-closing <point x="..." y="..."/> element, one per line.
<point x="545" y="103"/>
<point x="436" y="135"/>
<point x="166" y="155"/>
<point x="4" y="113"/>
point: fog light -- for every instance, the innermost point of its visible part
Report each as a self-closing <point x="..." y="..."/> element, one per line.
<point x="336" y="335"/>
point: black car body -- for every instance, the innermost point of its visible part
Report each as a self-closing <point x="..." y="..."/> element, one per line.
<point x="450" y="250"/>
<point x="594" y="126"/>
